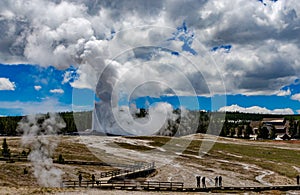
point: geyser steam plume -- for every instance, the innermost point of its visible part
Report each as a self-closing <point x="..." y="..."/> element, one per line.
<point x="40" y="134"/>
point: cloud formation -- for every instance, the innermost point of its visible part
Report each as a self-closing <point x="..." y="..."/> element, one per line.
<point x="296" y="97"/>
<point x="255" y="109"/>
<point x="284" y="92"/>
<point x="56" y="91"/>
<point x="6" y="84"/>
<point x="37" y="87"/>
<point x="27" y="108"/>
<point x="263" y="38"/>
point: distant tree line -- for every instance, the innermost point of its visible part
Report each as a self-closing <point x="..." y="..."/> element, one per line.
<point x="9" y="124"/>
<point x="228" y="124"/>
<point x="78" y="121"/>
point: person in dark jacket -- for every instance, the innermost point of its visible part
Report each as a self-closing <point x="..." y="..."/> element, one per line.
<point x="203" y="182"/>
<point x="80" y="179"/>
<point x="93" y="179"/>
<point x="220" y="181"/>
<point x="216" y="181"/>
<point x="198" y="181"/>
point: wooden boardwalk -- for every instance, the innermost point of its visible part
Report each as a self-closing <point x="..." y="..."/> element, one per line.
<point x="170" y="187"/>
<point x="116" y="180"/>
<point x="128" y="185"/>
<point x="137" y="169"/>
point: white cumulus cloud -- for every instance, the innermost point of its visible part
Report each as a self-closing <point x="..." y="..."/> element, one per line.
<point x="255" y="109"/>
<point x="37" y="87"/>
<point x="263" y="58"/>
<point x="296" y="97"/>
<point x="6" y="84"/>
<point x="57" y="91"/>
<point x="284" y="92"/>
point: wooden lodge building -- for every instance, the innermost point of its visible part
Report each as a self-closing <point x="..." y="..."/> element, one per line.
<point x="281" y="126"/>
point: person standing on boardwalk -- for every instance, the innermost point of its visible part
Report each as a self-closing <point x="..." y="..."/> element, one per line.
<point x="80" y="179"/>
<point x="298" y="179"/>
<point x="198" y="181"/>
<point x="203" y="182"/>
<point x="216" y="181"/>
<point x="93" y="179"/>
<point x="220" y="181"/>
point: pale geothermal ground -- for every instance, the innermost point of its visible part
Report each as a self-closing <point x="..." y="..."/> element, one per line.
<point x="239" y="162"/>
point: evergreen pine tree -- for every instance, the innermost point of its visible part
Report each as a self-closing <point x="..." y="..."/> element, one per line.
<point x="5" y="149"/>
<point x="248" y="131"/>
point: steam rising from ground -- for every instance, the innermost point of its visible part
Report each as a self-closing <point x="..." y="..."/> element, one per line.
<point x="122" y="120"/>
<point x="40" y="134"/>
<point x="148" y="71"/>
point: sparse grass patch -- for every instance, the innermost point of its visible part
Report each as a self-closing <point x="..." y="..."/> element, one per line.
<point x="74" y="151"/>
<point x="133" y="147"/>
<point x="156" y="141"/>
<point x="274" y="159"/>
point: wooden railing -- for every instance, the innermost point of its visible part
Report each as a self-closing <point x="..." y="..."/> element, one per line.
<point x="14" y="159"/>
<point x="131" y="169"/>
<point x="76" y="183"/>
<point x="146" y="185"/>
<point x="171" y="186"/>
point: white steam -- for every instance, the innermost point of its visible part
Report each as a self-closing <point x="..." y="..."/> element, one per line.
<point x="40" y="134"/>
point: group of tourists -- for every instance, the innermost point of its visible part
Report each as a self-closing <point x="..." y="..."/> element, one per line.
<point x="199" y="179"/>
<point x="80" y="179"/>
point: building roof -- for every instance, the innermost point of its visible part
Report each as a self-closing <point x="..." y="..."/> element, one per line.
<point x="273" y="120"/>
<point x="279" y="126"/>
<point x="254" y="124"/>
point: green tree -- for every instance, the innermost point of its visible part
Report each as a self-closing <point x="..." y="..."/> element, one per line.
<point x="25" y="171"/>
<point x="293" y="128"/>
<point x="60" y="159"/>
<point x="5" y="149"/>
<point x="24" y="153"/>
<point x="232" y="131"/>
<point x="204" y="119"/>
<point x="298" y="129"/>
<point x="273" y="132"/>
<point x="239" y="131"/>
<point x="263" y="132"/>
<point x="225" y="129"/>
<point x="248" y="131"/>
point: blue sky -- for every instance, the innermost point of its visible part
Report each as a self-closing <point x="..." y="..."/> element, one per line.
<point x="40" y="89"/>
<point x="242" y="55"/>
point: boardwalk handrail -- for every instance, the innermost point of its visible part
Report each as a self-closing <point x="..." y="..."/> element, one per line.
<point x="97" y="163"/>
<point x="170" y="186"/>
<point x="87" y="183"/>
<point x="124" y="184"/>
<point x="132" y="169"/>
<point x="148" y="184"/>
